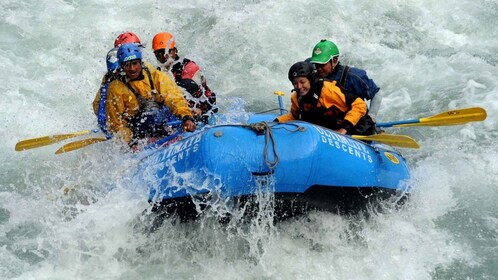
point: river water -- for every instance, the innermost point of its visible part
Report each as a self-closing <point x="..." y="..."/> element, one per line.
<point x="427" y="57"/>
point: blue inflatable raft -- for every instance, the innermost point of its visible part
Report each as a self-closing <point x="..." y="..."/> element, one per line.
<point x="305" y="166"/>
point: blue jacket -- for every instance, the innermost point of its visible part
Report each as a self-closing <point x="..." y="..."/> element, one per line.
<point x="357" y="82"/>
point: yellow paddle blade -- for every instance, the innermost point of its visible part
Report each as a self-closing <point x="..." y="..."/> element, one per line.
<point x="79" y="144"/>
<point x="453" y="117"/>
<point x="46" y="140"/>
<point x="402" y="141"/>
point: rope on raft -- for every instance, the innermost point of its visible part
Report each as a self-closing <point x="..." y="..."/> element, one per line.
<point x="264" y="127"/>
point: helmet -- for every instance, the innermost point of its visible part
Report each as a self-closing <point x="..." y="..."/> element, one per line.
<point x="112" y="60"/>
<point x="127" y="37"/>
<point x="163" y="40"/>
<point x="129" y="52"/>
<point x="302" y="69"/>
<point x="324" y="51"/>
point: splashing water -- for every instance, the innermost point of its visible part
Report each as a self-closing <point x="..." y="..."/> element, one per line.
<point x="79" y="215"/>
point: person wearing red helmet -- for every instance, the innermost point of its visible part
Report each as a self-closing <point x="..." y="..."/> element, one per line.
<point x="187" y="74"/>
<point x="135" y="101"/>
<point x="126" y="38"/>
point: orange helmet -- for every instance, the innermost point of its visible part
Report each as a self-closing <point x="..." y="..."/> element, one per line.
<point x="163" y="40"/>
<point x="126" y="37"/>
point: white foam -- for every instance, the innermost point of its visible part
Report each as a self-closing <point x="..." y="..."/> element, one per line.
<point x="427" y="57"/>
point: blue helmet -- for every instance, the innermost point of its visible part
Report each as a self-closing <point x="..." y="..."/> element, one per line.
<point x="129" y="52"/>
<point x="112" y="60"/>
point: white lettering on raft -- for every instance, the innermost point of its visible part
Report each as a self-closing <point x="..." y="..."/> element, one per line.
<point x="180" y="150"/>
<point x="345" y="144"/>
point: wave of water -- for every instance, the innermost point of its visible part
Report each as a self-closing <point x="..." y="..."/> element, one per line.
<point x="77" y="215"/>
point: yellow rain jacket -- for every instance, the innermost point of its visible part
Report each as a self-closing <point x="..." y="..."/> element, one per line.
<point x="333" y="109"/>
<point x="122" y="104"/>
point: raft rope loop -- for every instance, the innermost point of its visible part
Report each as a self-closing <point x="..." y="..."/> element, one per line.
<point x="263" y="127"/>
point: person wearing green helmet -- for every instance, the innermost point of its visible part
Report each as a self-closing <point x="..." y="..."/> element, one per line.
<point x="325" y="57"/>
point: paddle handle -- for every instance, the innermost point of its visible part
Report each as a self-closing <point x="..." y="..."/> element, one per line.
<point x="279" y="94"/>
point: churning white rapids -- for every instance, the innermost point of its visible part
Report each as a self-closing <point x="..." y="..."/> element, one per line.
<point x="426" y="56"/>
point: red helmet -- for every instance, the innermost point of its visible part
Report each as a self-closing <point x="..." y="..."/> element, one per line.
<point x="125" y="38"/>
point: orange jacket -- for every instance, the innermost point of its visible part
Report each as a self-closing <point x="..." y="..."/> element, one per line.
<point x="331" y="101"/>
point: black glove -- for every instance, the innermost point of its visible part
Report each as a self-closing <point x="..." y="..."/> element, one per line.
<point x="347" y="125"/>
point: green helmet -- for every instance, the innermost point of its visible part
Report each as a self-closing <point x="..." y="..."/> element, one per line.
<point x="324" y="51"/>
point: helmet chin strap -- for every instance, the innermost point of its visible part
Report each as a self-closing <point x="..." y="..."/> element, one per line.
<point x="334" y="61"/>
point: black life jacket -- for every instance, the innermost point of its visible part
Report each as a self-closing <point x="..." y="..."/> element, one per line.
<point x="177" y="68"/>
<point x="344" y="76"/>
<point x="309" y="111"/>
<point x="208" y="104"/>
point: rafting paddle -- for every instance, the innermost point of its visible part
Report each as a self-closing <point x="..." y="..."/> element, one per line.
<point x="48" y="140"/>
<point x="79" y="144"/>
<point x="453" y="117"/>
<point x="86" y="142"/>
<point x="402" y="141"/>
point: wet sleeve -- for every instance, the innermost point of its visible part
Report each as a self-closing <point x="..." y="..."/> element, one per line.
<point x="362" y="85"/>
<point x="353" y="105"/>
<point x="375" y="104"/>
<point x="294" y="112"/>
<point x="358" y="110"/>
<point x="170" y="94"/>
<point x="96" y="103"/>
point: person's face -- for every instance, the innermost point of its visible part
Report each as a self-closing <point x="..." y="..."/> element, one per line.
<point x="302" y="85"/>
<point x="132" y="69"/>
<point x="162" y="56"/>
<point x="324" y="69"/>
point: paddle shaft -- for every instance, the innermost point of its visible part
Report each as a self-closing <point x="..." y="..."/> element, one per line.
<point x="33" y="143"/>
<point x="453" y="117"/>
<point x="281" y="105"/>
<point x="391" y="124"/>
<point x="86" y="142"/>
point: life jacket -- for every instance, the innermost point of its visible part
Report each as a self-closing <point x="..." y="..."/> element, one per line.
<point x="333" y="117"/>
<point x="366" y="125"/>
<point x="353" y="81"/>
<point x="102" y="112"/>
<point x="199" y="94"/>
<point x="152" y="117"/>
<point x="310" y="111"/>
<point x="342" y="83"/>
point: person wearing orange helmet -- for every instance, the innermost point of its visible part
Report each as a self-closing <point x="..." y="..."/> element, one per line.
<point x="187" y="75"/>
<point x="134" y="103"/>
